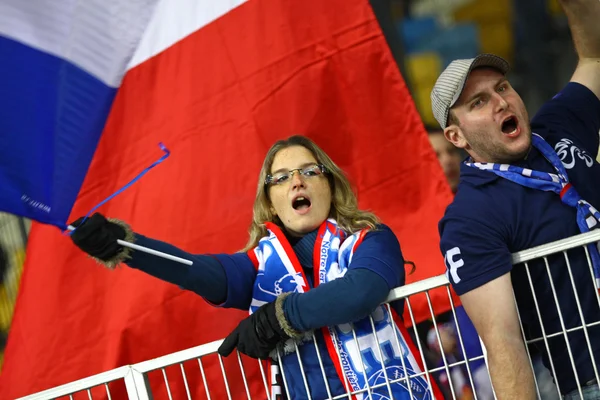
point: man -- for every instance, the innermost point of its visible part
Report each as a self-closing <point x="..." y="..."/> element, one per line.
<point x="448" y="156"/>
<point x="501" y="209"/>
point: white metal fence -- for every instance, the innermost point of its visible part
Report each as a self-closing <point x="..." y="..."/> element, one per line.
<point x="200" y="372"/>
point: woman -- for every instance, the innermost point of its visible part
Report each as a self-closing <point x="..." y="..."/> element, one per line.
<point x="314" y="263"/>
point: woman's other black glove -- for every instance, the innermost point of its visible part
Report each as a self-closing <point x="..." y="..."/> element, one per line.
<point x="258" y="334"/>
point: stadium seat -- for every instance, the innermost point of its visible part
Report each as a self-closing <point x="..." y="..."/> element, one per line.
<point x="422" y="70"/>
<point x="494" y="20"/>
<point x="415" y="31"/>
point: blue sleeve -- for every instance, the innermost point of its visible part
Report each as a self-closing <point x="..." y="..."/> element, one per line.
<point x="475" y="250"/>
<point x="221" y="279"/>
<point x="241" y="274"/>
<point x="340" y="301"/>
<point x="377" y="267"/>
<point x="205" y="276"/>
<point x="380" y="252"/>
<point x="576" y="110"/>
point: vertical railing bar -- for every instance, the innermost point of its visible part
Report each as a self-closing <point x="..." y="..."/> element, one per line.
<point x="285" y="385"/>
<point x="423" y="360"/>
<point x="397" y="334"/>
<point x="224" y="376"/>
<point x="593" y="275"/>
<point x="302" y="371"/>
<point x="442" y="353"/>
<point x="264" y="379"/>
<point x="187" y="389"/>
<point x="583" y="323"/>
<point x="337" y="352"/>
<point x="203" y="377"/>
<point x="107" y="391"/>
<point x="562" y="324"/>
<point x="381" y="358"/>
<point x="362" y="363"/>
<point x="243" y="375"/>
<point x="314" y="338"/>
<point x="460" y="340"/>
<point x="164" y="374"/>
<point x="537" y="309"/>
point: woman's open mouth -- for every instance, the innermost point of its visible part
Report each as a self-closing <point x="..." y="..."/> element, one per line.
<point x="301" y="204"/>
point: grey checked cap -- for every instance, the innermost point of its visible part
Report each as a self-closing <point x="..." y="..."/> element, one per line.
<point x="451" y="83"/>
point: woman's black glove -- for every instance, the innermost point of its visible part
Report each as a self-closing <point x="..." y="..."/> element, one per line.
<point x="98" y="236"/>
<point x="257" y="335"/>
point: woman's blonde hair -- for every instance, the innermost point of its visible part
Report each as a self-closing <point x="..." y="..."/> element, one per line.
<point x="344" y="205"/>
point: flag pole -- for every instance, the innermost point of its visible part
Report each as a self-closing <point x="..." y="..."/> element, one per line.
<point x="147" y="250"/>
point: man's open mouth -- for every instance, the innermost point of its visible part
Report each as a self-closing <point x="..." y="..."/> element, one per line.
<point x="510" y="125"/>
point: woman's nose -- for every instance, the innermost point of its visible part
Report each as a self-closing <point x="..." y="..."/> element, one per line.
<point x="297" y="180"/>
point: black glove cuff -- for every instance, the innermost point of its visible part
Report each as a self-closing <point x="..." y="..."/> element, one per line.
<point x="125" y="252"/>
<point x="283" y="322"/>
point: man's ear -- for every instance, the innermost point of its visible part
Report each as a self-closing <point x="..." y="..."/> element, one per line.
<point x="454" y="135"/>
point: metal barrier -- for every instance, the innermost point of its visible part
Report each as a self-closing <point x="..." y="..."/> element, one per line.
<point x="141" y="381"/>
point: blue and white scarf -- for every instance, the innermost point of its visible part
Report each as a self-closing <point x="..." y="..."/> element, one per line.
<point x="587" y="216"/>
<point x="279" y="271"/>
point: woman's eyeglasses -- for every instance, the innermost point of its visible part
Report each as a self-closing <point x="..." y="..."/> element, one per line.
<point x="285" y="176"/>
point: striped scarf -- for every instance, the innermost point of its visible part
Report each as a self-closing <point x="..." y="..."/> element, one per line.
<point x="587" y="216"/>
<point x="382" y="341"/>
